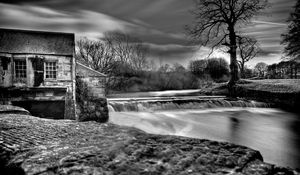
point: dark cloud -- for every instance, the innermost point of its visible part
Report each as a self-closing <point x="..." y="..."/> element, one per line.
<point x="269" y="27"/>
<point x="268" y="35"/>
<point x="129" y="23"/>
<point x="157" y="22"/>
<point x="17" y="1"/>
<point x="279" y="10"/>
<point x="172" y="53"/>
<point x="171" y="49"/>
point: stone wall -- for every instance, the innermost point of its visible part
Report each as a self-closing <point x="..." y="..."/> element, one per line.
<point x="96" y="80"/>
<point x="96" y="86"/>
<point x="89" y="107"/>
<point x="285" y="100"/>
<point x="64" y="70"/>
<point x="70" y="106"/>
<point x="92" y="109"/>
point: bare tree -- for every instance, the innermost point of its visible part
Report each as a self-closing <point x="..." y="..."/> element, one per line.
<point x="118" y="55"/>
<point x="216" y="23"/>
<point x="95" y="54"/>
<point x="139" y="60"/>
<point x="120" y="44"/>
<point x="152" y="66"/>
<point x="248" y="49"/>
<point x="128" y="50"/>
<point x="99" y="56"/>
<point x="197" y="67"/>
<point x="261" y="68"/>
<point x="130" y="55"/>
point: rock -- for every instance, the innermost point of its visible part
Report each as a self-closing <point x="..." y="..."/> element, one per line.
<point x="33" y="145"/>
<point x="9" y="109"/>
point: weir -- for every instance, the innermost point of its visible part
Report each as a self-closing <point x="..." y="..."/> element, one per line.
<point x="147" y="104"/>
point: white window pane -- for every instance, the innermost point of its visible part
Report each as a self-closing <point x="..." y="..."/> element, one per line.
<point x="51" y="70"/>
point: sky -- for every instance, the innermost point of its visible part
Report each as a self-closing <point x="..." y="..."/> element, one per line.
<point x="158" y="23"/>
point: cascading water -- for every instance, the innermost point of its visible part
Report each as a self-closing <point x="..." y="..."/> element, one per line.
<point x="142" y="104"/>
<point x="254" y="124"/>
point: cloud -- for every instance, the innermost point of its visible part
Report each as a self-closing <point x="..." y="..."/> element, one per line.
<point x="166" y="45"/>
<point x="171" y="53"/>
<point x="269" y="23"/>
<point x="268" y="35"/>
<point x="41" y="18"/>
<point x="81" y="22"/>
<point x="156" y="22"/>
<point x="183" y="54"/>
<point x="17" y="1"/>
<point x="168" y="49"/>
<point x="269" y="59"/>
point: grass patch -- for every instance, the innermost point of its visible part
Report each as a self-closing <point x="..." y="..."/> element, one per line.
<point x="272" y="85"/>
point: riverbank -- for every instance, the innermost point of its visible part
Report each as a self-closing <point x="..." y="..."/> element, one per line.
<point x="279" y="93"/>
<point x="31" y="145"/>
<point x="283" y="93"/>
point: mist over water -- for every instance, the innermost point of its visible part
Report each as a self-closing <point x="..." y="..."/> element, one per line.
<point x="275" y="133"/>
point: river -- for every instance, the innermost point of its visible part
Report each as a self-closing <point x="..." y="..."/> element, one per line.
<point x="275" y="133"/>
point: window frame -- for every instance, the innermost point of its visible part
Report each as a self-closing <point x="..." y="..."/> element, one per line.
<point x="53" y="70"/>
<point x="22" y="71"/>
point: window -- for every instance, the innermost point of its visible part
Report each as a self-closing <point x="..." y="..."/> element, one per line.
<point x="4" y="62"/>
<point x="20" y="68"/>
<point x="51" y="70"/>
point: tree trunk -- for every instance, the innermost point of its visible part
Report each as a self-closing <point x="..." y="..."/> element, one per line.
<point x="234" y="69"/>
<point x="233" y="59"/>
<point x="243" y="70"/>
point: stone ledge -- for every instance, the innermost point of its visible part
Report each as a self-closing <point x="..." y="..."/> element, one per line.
<point x="30" y="145"/>
<point x="9" y="109"/>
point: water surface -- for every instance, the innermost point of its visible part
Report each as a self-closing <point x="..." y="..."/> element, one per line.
<point x="275" y="133"/>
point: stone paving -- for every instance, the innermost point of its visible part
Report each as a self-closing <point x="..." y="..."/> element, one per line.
<point x="31" y="145"/>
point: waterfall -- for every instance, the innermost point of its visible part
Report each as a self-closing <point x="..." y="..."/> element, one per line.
<point x="159" y="104"/>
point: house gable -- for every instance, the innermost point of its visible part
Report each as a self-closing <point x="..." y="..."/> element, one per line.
<point x="85" y="71"/>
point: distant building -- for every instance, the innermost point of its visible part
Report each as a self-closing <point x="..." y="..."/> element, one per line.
<point x="37" y="72"/>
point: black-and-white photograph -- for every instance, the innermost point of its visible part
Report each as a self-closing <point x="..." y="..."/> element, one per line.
<point x="150" y="87"/>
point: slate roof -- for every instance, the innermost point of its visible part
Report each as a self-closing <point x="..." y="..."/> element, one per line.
<point x="36" y="42"/>
<point x="85" y="71"/>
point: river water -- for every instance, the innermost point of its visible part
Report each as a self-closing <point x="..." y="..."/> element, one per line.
<point x="275" y="133"/>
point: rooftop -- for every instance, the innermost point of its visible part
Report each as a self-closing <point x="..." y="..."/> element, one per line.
<point x="83" y="70"/>
<point x="17" y="41"/>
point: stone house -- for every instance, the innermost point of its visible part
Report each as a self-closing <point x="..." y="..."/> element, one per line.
<point x="37" y="72"/>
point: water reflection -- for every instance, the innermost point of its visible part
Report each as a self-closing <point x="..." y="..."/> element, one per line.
<point x="235" y="125"/>
<point x="275" y="133"/>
